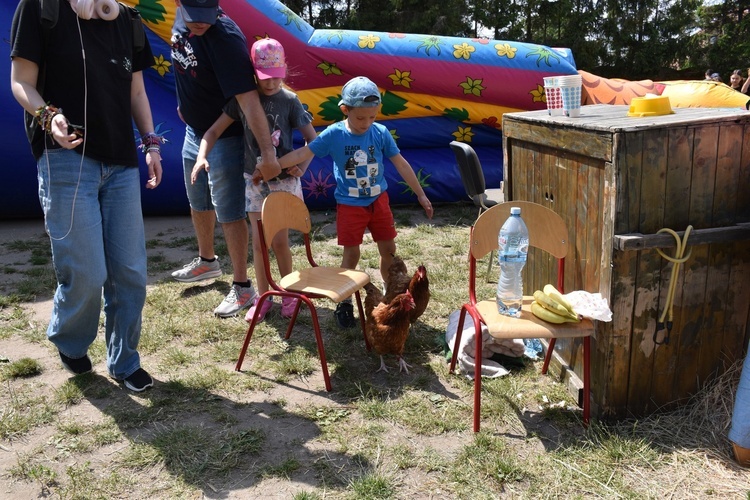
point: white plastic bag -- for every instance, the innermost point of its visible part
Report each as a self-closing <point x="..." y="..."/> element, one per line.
<point x="590" y="305"/>
<point x="490" y="346"/>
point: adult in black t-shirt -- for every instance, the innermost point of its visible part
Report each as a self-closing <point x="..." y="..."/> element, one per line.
<point x="212" y="65"/>
<point x="79" y="80"/>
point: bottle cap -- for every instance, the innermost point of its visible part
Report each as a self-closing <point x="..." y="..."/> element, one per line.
<point x="515" y="210"/>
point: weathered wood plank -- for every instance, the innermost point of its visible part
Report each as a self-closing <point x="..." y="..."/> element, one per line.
<point x="608" y="118"/>
<point x="561" y="138"/>
<point x="648" y="286"/>
<point x="743" y="182"/>
<point x="694" y="287"/>
<point x="704" y="177"/>
<point x="638" y="241"/>
<point x="630" y="165"/>
<point x="737" y="323"/>
<point x="690" y="313"/>
<point x="714" y="312"/>
<point x="677" y="187"/>
<point x="614" y="340"/>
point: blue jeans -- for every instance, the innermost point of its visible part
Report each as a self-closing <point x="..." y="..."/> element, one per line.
<point x="222" y="188"/>
<point x="740" y="431"/>
<point x="92" y="213"/>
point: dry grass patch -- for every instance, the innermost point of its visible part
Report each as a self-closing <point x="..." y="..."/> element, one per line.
<point x="205" y="430"/>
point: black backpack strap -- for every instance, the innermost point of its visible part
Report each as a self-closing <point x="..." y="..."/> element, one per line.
<point x="139" y="33"/>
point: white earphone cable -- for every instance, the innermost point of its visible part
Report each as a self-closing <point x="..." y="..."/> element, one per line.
<point x="85" y="136"/>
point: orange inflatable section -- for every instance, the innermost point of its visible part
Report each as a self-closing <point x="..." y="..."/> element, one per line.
<point x="598" y="90"/>
<point x="681" y="93"/>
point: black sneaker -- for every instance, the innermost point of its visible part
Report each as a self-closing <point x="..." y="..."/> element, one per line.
<point x="138" y="381"/>
<point x="77" y="366"/>
<point x="345" y="315"/>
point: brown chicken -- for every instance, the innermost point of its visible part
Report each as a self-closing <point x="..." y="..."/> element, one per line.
<point x="387" y="324"/>
<point x="397" y="280"/>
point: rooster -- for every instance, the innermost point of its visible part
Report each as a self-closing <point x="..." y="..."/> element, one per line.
<point x="387" y="324"/>
<point x="418" y="285"/>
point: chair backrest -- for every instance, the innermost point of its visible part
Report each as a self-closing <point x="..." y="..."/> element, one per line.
<point x="547" y="230"/>
<point x="282" y="210"/>
<point x="470" y="169"/>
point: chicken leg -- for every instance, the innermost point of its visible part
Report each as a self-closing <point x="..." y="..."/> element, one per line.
<point x="403" y="366"/>
<point x="382" y="368"/>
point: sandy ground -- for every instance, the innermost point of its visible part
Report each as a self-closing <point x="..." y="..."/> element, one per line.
<point x="25" y="229"/>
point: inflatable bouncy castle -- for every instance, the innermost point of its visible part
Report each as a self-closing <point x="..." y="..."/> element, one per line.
<point x="435" y="90"/>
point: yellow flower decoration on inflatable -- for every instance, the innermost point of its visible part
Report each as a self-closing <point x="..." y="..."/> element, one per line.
<point x="402" y="78"/>
<point x="463" y="134"/>
<point x="368" y="41"/>
<point x="505" y="50"/>
<point x="394" y="135"/>
<point x="161" y="65"/>
<point x="538" y="94"/>
<point x="329" y="68"/>
<point x="463" y="51"/>
<point x="471" y="86"/>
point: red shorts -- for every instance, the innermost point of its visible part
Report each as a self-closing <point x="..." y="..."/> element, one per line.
<point x="352" y="221"/>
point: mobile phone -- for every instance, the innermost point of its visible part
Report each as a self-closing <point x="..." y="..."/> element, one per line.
<point x="78" y="130"/>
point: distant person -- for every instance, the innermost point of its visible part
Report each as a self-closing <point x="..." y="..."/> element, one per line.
<point x="359" y="146"/>
<point x="285" y="113"/>
<point x="739" y="433"/>
<point x="716" y="77"/>
<point x="708" y="75"/>
<point x="212" y="66"/>
<point x="81" y="98"/>
<point x="738" y="82"/>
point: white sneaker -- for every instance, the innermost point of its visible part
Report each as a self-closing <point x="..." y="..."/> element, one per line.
<point x="198" y="270"/>
<point x="238" y="298"/>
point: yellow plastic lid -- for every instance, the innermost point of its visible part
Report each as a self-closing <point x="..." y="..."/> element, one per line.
<point x="650" y="106"/>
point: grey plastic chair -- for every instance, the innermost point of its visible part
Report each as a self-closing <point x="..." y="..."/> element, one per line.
<point x="472" y="177"/>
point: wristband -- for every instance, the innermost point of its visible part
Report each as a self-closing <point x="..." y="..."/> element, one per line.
<point x="151" y="142"/>
<point x="45" y="114"/>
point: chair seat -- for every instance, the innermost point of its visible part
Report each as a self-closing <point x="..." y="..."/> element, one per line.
<point x="335" y="283"/>
<point x="493" y="196"/>
<point x="529" y="326"/>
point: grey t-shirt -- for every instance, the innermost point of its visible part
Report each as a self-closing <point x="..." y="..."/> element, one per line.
<point x="284" y="113"/>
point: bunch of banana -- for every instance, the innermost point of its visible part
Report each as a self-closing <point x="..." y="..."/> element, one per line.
<point x="549" y="305"/>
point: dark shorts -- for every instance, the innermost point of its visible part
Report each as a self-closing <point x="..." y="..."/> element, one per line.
<point x="352" y="221"/>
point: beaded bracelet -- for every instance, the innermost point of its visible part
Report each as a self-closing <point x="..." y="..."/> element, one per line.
<point x="151" y="143"/>
<point x="45" y="114"/>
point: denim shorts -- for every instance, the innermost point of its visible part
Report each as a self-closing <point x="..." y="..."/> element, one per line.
<point x="222" y="188"/>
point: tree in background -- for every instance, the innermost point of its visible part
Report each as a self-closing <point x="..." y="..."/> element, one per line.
<point x="631" y="39"/>
<point x="723" y="41"/>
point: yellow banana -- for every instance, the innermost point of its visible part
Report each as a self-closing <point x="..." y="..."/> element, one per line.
<point x="545" y="314"/>
<point x="555" y="295"/>
<point x="549" y="303"/>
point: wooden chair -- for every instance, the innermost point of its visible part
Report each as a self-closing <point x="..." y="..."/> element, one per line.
<point x="280" y="211"/>
<point x="472" y="177"/>
<point x="547" y="231"/>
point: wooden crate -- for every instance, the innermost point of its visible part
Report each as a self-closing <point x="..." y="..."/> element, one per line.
<point x="616" y="181"/>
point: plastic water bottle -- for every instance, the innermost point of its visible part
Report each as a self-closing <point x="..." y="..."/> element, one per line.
<point x="513" y="246"/>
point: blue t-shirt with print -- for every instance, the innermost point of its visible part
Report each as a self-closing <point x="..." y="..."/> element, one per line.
<point x="357" y="161"/>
